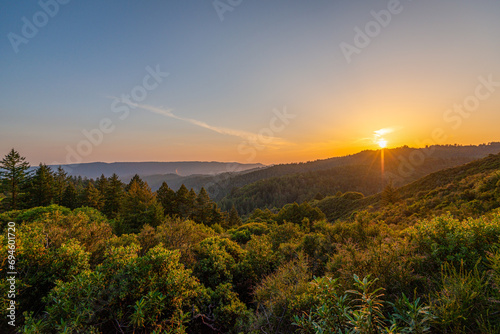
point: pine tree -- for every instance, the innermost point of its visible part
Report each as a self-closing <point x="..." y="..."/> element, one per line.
<point x="42" y="187"/>
<point x="191" y="202"/>
<point x="203" y="207"/>
<point x="389" y="195"/>
<point x="135" y="178"/>
<point x="166" y="197"/>
<point x="216" y="216"/>
<point x="113" y="197"/>
<point x="182" y="200"/>
<point x="13" y="174"/>
<point x="79" y="182"/>
<point x="102" y="184"/>
<point x="234" y="218"/>
<point x="140" y="207"/>
<point x="91" y="197"/>
<point x="60" y="184"/>
<point x="70" y="197"/>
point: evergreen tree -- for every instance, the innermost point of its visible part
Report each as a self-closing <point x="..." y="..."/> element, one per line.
<point x="140" y="207"/>
<point x="79" y="183"/>
<point x="102" y="184"/>
<point x="60" y="184"/>
<point x="42" y="187"/>
<point x="135" y="178"/>
<point x="13" y="174"/>
<point x="216" y="216"/>
<point x="389" y="195"/>
<point x="166" y="197"/>
<point x="182" y="200"/>
<point x="91" y="197"/>
<point x="70" y="197"/>
<point x="113" y="197"/>
<point x="234" y="218"/>
<point x="203" y="207"/>
<point x="191" y="201"/>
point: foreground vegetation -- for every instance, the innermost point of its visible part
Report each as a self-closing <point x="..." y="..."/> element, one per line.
<point x="76" y="276"/>
<point x="170" y="262"/>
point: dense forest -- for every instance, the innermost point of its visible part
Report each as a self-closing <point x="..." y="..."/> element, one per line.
<point x="229" y="183"/>
<point x="278" y="185"/>
<point x="103" y="256"/>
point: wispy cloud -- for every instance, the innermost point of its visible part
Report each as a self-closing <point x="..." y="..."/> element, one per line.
<point x="379" y="135"/>
<point x="271" y="142"/>
<point x="382" y="132"/>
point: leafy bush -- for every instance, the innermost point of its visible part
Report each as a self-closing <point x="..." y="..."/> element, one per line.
<point x="285" y="233"/>
<point x="360" y="310"/>
<point x="411" y="316"/>
<point x="52" y="212"/>
<point x="461" y="300"/>
<point x="243" y="233"/>
<point x="227" y="314"/>
<point x="39" y="266"/>
<point x="216" y="261"/>
<point x="282" y="295"/>
<point x="296" y="213"/>
<point x="445" y="239"/>
<point x="125" y="293"/>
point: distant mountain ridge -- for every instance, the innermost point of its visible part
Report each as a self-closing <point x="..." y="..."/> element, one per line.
<point x="178" y="168"/>
<point x="281" y="184"/>
<point x="249" y="186"/>
<point x="468" y="190"/>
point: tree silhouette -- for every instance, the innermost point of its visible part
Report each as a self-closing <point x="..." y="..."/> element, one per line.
<point x="113" y="197"/>
<point x="140" y="207"/>
<point x="389" y="195"/>
<point x="166" y="197"/>
<point x="13" y="173"/>
<point x="60" y="184"/>
<point x="234" y="218"/>
<point x="42" y="186"/>
<point x="182" y="200"/>
<point x="91" y="197"/>
<point x="101" y="183"/>
<point x="70" y="197"/>
<point x="203" y="207"/>
<point x="135" y="178"/>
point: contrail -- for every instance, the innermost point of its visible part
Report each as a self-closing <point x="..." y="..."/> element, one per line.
<point x="251" y="137"/>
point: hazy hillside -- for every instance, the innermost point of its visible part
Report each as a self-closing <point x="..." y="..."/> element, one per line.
<point x="465" y="191"/>
<point x="275" y="186"/>
<point x="182" y="168"/>
<point x="195" y="181"/>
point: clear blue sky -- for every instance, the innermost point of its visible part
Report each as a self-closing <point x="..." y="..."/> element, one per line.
<point x="226" y="78"/>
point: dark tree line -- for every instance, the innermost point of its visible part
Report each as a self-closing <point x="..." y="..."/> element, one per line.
<point x="130" y="205"/>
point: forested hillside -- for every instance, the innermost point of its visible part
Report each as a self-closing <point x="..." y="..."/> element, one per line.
<point x="101" y="256"/>
<point x="465" y="191"/>
<point x="360" y="173"/>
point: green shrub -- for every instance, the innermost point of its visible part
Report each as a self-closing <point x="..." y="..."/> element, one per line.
<point x="461" y="300"/>
<point x="411" y="316"/>
<point x="39" y="267"/>
<point x="216" y="261"/>
<point x="360" y="310"/>
<point x="128" y="293"/>
<point x="282" y="295"/>
<point x="228" y="313"/>
<point x="445" y="239"/>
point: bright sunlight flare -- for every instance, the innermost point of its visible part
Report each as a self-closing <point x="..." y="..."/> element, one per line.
<point x="382" y="143"/>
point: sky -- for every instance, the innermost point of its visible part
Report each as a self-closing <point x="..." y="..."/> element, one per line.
<point x="273" y="81"/>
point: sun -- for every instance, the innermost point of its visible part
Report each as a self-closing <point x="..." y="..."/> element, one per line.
<point x="382" y="143"/>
